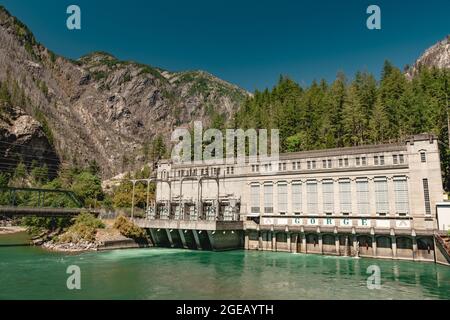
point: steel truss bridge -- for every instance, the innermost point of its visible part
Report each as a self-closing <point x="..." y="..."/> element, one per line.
<point x="10" y="203"/>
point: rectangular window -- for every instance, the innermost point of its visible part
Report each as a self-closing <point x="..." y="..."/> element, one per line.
<point x="254" y="198"/>
<point x="324" y="164"/>
<point x="382" y="160"/>
<point x="375" y="160"/>
<point x="426" y="195"/>
<point x="282" y="198"/>
<point x="328" y="196"/>
<point x="297" y="197"/>
<point x="362" y="196"/>
<point x="402" y="158"/>
<point x="345" y="195"/>
<point x="329" y="164"/>
<point x="423" y="157"/>
<point x="358" y="161"/>
<point x="346" y="162"/>
<point x="311" y="197"/>
<point x="340" y="163"/>
<point x="401" y="195"/>
<point x="381" y="195"/>
<point x="268" y="198"/>
<point x="314" y="164"/>
<point x="364" y="161"/>
<point x="395" y="159"/>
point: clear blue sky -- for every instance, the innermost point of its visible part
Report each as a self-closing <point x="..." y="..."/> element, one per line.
<point x="247" y="42"/>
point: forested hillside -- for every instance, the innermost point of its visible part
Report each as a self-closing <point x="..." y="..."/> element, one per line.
<point x="351" y="113"/>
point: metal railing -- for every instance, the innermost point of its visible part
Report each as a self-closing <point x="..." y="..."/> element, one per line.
<point x="206" y="216"/>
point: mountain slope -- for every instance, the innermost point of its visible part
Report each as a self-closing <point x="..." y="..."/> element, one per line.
<point x="437" y="56"/>
<point x="101" y="108"/>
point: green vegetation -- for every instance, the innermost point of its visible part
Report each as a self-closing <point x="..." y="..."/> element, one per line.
<point x="99" y="75"/>
<point x="85" y="183"/>
<point x="88" y="188"/>
<point x="37" y="226"/>
<point x="351" y="113"/>
<point x="5" y="97"/>
<point x="126" y="78"/>
<point x="122" y="194"/>
<point x="21" y="31"/>
<point x="52" y="56"/>
<point x="129" y="229"/>
<point x="43" y="87"/>
<point x="145" y="69"/>
<point x="39" y="116"/>
<point x="84" y="228"/>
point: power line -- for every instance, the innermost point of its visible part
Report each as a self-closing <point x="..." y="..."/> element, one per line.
<point x="23" y="146"/>
<point x="29" y="162"/>
<point x="4" y="151"/>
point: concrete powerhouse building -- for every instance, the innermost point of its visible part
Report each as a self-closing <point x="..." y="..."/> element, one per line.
<point x="375" y="201"/>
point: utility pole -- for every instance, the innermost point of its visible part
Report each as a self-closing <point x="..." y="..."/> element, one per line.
<point x="148" y="194"/>
<point x="132" y="199"/>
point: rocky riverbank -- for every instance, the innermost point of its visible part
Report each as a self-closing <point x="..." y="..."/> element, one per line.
<point x="11" y="230"/>
<point x="70" y="247"/>
<point x="108" y="238"/>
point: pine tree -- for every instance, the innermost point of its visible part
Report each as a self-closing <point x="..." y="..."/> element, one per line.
<point x="354" y="121"/>
<point x="378" y="124"/>
<point x="392" y="88"/>
<point x="337" y="99"/>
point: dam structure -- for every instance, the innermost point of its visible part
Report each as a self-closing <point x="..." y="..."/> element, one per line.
<point x="368" y="201"/>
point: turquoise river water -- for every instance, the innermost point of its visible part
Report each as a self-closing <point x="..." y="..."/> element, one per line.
<point x="33" y="273"/>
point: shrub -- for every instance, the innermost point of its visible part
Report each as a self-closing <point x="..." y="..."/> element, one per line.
<point x="99" y="75"/>
<point x="129" y="229"/>
<point x="37" y="225"/>
<point x="84" y="229"/>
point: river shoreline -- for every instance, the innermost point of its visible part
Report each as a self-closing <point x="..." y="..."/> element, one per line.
<point x="11" y="230"/>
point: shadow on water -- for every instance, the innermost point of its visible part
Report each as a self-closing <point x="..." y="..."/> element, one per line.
<point x="15" y="245"/>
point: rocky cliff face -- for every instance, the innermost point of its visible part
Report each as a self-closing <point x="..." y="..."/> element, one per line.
<point x="101" y="108"/>
<point x="22" y="138"/>
<point x="436" y="56"/>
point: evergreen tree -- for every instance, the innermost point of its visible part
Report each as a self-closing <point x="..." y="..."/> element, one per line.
<point x="354" y="121"/>
<point x="378" y="124"/>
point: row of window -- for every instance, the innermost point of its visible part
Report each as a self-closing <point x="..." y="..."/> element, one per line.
<point x="378" y="160"/>
<point x="345" y="196"/>
<point x="328" y="163"/>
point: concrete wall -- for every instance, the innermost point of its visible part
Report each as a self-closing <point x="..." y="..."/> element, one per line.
<point x="384" y="246"/>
